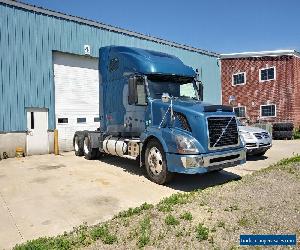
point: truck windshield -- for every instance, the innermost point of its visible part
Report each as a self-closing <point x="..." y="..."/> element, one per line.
<point x="178" y="87"/>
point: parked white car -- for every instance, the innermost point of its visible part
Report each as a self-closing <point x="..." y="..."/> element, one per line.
<point x="257" y="141"/>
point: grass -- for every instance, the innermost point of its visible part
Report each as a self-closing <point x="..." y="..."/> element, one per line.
<point x="286" y="164"/>
<point x="186" y="216"/>
<point x="137" y="221"/>
<point x="221" y="224"/>
<point x="145" y="232"/>
<point x="102" y="233"/>
<point x="296" y="134"/>
<point x="80" y="237"/>
<point x="134" y="211"/>
<point x="202" y="232"/>
<point x="171" y="220"/>
<point x="167" y="204"/>
<point x="46" y="243"/>
<point x="243" y="222"/>
<point x="287" y="161"/>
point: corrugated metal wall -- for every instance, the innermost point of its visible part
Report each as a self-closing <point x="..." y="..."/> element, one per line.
<point x="27" y="40"/>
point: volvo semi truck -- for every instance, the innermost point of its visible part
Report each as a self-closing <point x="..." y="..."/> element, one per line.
<point x="151" y="110"/>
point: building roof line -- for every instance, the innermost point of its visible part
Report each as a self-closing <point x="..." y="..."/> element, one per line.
<point x="104" y="26"/>
<point x="274" y="53"/>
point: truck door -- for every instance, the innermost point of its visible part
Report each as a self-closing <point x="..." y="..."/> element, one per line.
<point x="136" y="105"/>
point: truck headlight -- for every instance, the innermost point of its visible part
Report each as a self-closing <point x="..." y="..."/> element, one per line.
<point x="247" y="135"/>
<point x="185" y="145"/>
<point x="242" y="140"/>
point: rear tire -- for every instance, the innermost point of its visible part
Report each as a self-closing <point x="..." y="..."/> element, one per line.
<point x="282" y="135"/>
<point x="89" y="152"/>
<point x="156" y="164"/>
<point x="78" y="145"/>
<point x="283" y="126"/>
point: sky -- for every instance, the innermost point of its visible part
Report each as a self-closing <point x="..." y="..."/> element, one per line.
<point x="215" y="25"/>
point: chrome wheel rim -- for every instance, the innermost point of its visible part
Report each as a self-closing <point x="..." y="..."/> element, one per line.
<point x="155" y="161"/>
<point x="85" y="146"/>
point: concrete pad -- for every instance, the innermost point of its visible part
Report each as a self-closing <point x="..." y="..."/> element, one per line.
<point x="48" y="194"/>
<point x="9" y="234"/>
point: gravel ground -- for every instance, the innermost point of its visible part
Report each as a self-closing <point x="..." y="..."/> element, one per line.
<point x="267" y="202"/>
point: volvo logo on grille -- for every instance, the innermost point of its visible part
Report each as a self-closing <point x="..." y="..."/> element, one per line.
<point x="223" y="130"/>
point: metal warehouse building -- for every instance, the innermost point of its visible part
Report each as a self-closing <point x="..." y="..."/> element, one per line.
<point x="49" y="74"/>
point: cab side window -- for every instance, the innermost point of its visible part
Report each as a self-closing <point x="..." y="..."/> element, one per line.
<point x="137" y="91"/>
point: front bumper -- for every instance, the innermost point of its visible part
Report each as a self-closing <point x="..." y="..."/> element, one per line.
<point x="193" y="164"/>
<point x="258" y="148"/>
<point x="257" y="145"/>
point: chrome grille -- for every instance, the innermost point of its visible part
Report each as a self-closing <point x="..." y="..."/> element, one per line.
<point x="222" y="131"/>
<point x="261" y="135"/>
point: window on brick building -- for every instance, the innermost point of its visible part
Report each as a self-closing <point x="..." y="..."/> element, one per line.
<point x="239" y="78"/>
<point x="240" y="111"/>
<point x="268" y="110"/>
<point x="267" y="74"/>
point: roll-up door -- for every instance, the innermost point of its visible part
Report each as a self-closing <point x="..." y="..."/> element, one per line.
<point x="76" y="84"/>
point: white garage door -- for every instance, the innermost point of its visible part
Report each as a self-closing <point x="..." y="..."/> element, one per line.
<point x="76" y="82"/>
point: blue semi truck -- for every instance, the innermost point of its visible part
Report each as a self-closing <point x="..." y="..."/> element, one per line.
<point x="151" y="110"/>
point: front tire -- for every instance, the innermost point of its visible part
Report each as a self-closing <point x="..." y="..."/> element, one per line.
<point x="156" y="164"/>
<point x="89" y="152"/>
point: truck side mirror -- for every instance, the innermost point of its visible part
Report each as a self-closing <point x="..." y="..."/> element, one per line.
<point x="132" y="91"/>
<point x="200" y="90"/>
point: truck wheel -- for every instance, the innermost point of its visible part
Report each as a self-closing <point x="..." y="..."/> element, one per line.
<point x="78" y="147"/>
<point x="156" y="164"/>
<point x="89" y="152"/>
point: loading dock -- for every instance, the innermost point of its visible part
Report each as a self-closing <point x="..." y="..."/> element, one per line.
<point x="76" y="83"/>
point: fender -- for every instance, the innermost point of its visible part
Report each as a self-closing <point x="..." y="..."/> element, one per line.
<point x="156" y="133"/>
<point x="145" y="136"/>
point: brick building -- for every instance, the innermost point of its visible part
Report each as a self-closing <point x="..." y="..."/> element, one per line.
<point x="263" y="86"/>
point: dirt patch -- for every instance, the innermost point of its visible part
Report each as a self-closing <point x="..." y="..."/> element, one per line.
<point x="46" y="222"/>
<point x="264" y="203"/>
<point x="2" y="175"/>
<point x="103" y="182"/>
<point x="105" y="201"/>
<point x="51" y="167"/>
